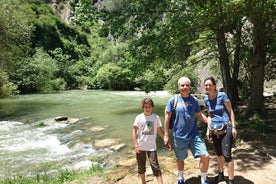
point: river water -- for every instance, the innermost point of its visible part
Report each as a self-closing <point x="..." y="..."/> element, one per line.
<point x="27" y="148"/>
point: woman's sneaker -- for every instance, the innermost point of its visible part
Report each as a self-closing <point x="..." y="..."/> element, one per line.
<point x="231" y="182"/>
<point x="181" y="181"/>
<point x="219" y="178"/>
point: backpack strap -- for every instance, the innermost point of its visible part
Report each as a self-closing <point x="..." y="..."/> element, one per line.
<point x="175" y="101"/>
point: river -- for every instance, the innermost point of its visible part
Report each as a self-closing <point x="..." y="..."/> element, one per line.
<point x="27" y="148"/>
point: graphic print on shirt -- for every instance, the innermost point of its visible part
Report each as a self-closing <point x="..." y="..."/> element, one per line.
<point x="148" y="129"/>
<point x="186" y="105"/>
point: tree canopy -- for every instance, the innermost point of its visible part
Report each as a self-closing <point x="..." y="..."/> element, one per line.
<point x="137" y="44"/>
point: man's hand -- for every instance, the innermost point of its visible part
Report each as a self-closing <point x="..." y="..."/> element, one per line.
<point x="167" y="142"/>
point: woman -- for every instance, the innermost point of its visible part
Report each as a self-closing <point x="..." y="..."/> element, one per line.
<point x="221" y="127"/>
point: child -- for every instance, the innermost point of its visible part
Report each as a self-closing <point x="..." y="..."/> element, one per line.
<point x="145" y="128"/>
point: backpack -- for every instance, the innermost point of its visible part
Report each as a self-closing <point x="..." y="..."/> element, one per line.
<point x="173" y="112"/>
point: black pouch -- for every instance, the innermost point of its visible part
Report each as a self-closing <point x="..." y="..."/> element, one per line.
<point x="221" y="130"/>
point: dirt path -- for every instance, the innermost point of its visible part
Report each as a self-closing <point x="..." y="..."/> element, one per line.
<point x="255" y="162"/>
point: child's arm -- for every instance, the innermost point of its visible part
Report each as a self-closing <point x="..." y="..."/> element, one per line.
<point x="160" y="132"/>
<point x="134" y="139"/>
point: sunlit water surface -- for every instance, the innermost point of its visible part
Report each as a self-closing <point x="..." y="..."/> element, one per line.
<point x="26" y="148"/>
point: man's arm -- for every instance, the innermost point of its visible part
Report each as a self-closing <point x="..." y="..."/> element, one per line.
<point x="199" y="115"/>
<point x="166" y="127"/>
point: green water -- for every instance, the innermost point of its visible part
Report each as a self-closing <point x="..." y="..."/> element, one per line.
<point x="23" y="144"/>
<point x="114" y="109"/>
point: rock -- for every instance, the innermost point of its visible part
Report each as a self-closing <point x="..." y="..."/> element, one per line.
<point x="105" y="143"/>
<point x="98" y="128"/>
<point x="61" y="118"/>
<point x="66" y="120"/>
<point x="111" y="144"/>
<point x="117" y="147"/>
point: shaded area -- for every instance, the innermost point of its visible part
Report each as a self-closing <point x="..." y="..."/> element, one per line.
<point x="238" y="179"/>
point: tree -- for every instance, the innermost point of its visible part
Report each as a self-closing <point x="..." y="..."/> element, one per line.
<point x="15" y="30"/>
<point x="38" y="74"/>
<point x="262" y="16"/>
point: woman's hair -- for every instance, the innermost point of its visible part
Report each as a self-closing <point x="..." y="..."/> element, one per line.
<point x="147" y="101"/>
<point x="211" y="79"/>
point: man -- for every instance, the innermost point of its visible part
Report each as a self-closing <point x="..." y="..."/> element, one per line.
<point x="185" y="132"/>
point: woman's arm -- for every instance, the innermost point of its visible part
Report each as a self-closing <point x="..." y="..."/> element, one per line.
<point x="232" y="117"/>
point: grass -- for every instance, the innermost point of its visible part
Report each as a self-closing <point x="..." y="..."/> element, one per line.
<point x="60" y="178"/>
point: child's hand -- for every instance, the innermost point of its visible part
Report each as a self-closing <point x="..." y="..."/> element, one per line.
<point x="137" y="150"/>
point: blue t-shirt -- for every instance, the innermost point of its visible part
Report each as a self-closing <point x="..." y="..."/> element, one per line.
<point x="185" y="123"/>
<point x="217" y="109"/>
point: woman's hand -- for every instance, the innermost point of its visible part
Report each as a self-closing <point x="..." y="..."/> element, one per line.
<point x="234" y="132"/>
<point x="208" y="137"/>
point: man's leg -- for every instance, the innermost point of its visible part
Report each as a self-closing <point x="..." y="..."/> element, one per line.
<point x="180" y="149"/>
<point x="203" y="166"/>
<point x="199" y="149"/>
<point x="204" y="163"/>
<point x="180" y="168"/>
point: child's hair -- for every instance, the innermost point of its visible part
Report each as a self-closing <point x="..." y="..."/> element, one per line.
<point x="147" y="101"/>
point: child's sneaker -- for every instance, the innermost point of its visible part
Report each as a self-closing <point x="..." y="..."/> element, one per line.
<point x="181" y="181"/>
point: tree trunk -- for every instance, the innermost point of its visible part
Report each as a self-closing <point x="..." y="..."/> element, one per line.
<point x="256" y="103"/>
<point x="224" y="62"/>
<point x="236" y="65"/>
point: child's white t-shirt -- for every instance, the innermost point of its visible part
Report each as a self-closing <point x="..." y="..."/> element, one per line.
<point x="147" y="131"/>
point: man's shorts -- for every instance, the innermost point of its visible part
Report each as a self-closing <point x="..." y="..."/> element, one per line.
<point x="196" y="145"/>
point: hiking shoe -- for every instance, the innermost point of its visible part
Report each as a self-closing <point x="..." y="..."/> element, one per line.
<point x="180" y="181"/>
<point x="219" y="178"/>
<point x="231" y="182"/>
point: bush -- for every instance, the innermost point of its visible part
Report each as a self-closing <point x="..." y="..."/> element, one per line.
<point x="7" y="88"/>
<point x="111" y="76"/>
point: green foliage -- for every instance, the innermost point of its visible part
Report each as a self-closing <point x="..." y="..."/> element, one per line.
<point x="258" y="123"/>
<point x="61" y="177"/>
<point x="52" y="33"/>
<point x="41" y="124"/>
<point x="6" y="87"/>
<point x="113" y="77"/>
<point x="151" y="79"/>
<point x="16" y="31"/>
<point x="37" y="74"/>
<point x="128" y="44"/>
